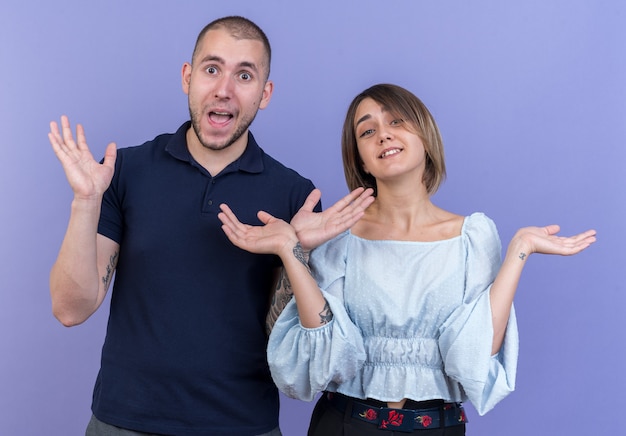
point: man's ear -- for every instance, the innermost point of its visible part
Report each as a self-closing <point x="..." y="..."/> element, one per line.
<point x="268" y="89"/>
<point x="186" y="77"/>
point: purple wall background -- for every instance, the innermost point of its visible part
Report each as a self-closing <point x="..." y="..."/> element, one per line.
<point x="531" y="100"/>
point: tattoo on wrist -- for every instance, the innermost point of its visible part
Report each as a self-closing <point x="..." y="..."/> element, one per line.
<point x="298" y="251"/>
<point x="522" y="255"/>
<point x="326" y="315"/>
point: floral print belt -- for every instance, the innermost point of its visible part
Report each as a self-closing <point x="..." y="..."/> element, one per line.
<point x="405" y="420"/>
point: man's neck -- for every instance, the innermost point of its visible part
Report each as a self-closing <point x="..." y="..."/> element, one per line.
<point x="214" y="161"/>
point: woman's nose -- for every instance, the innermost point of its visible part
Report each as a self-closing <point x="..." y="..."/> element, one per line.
<point x="385" y="137"/>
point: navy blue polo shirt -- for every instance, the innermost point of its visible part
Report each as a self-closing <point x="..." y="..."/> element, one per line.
<point x="185" y="348"/>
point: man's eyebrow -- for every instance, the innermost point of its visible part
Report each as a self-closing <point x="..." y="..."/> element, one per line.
<point x="250" y="65"/>
<point x="212" y="58"/>
<point x="220" y="60"/>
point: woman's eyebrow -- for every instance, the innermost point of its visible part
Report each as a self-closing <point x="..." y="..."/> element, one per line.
<point x="363" y="118"/>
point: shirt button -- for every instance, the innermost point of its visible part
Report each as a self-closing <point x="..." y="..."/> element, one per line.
<point x="210" y="202"/>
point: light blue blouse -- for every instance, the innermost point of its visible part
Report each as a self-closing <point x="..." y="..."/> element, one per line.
<point x="411" y="320"/>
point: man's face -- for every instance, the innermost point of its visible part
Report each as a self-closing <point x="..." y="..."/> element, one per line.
<point x="226" y="87"/>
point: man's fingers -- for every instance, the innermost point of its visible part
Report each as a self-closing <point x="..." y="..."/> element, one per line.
<point x="54" y="140"/>
<point x="54" y="128"/>
<point x="80" y="137"/>
<point x="67" y="130"/>
<point x="110" y="154"/>
<point x="265" y="217"/>
<point x="54" y="136"/>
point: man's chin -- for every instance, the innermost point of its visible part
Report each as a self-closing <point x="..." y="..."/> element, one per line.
<point x="215" y="143"/>
<point x="216" y="147"/>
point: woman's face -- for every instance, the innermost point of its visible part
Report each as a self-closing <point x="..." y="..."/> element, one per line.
<point x="388" y="147"/>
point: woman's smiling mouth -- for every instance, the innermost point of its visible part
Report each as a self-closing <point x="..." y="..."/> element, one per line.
<point x="390" y="152"/>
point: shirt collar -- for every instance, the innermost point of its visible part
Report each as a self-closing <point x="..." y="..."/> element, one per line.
<point x="250" y="161"/>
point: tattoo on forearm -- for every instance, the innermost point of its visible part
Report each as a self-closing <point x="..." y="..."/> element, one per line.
<point x="298" y="251"/>
<point x="522" y="256"/>
<point x="283" y="292"/>
<point x="106" y="279"/>
<point x="326" y="315"/>
<point x="282" y="296"/>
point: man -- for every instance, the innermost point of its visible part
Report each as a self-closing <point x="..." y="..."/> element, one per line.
<point x="184" y="352"/>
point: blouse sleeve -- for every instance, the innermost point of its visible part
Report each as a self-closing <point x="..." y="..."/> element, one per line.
<point x="466" y="337"/>
<point x="304" y="361"/>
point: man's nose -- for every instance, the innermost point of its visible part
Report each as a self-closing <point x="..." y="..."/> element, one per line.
<point x="224" y="87"/>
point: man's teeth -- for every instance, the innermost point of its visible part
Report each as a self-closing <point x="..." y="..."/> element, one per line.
<point x="390" y="152"/>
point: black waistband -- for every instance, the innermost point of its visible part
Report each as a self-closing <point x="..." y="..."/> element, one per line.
<point x="437" y="414"/>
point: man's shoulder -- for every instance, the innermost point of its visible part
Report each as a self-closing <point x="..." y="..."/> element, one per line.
<point x="275" y="167"/>
<point x="160" y="141"/>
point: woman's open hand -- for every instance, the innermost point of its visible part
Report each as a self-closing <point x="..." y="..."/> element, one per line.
<point x="273" y="237"/>
<point x="545" y="240"/>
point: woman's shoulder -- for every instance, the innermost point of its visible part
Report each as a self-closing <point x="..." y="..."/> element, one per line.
<point x="328" y="261"/>
<point x="477" y="219"/>
<point x="479" y="226"/>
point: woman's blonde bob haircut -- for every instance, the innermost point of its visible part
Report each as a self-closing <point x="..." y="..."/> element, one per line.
<point x="402" y="104"/>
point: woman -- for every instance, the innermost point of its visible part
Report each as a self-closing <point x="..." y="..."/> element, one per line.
<point x="410" y="312"/>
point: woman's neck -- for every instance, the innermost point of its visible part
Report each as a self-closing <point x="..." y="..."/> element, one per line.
<point x="407" y="216"/>
<point x="402" y="206"/>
